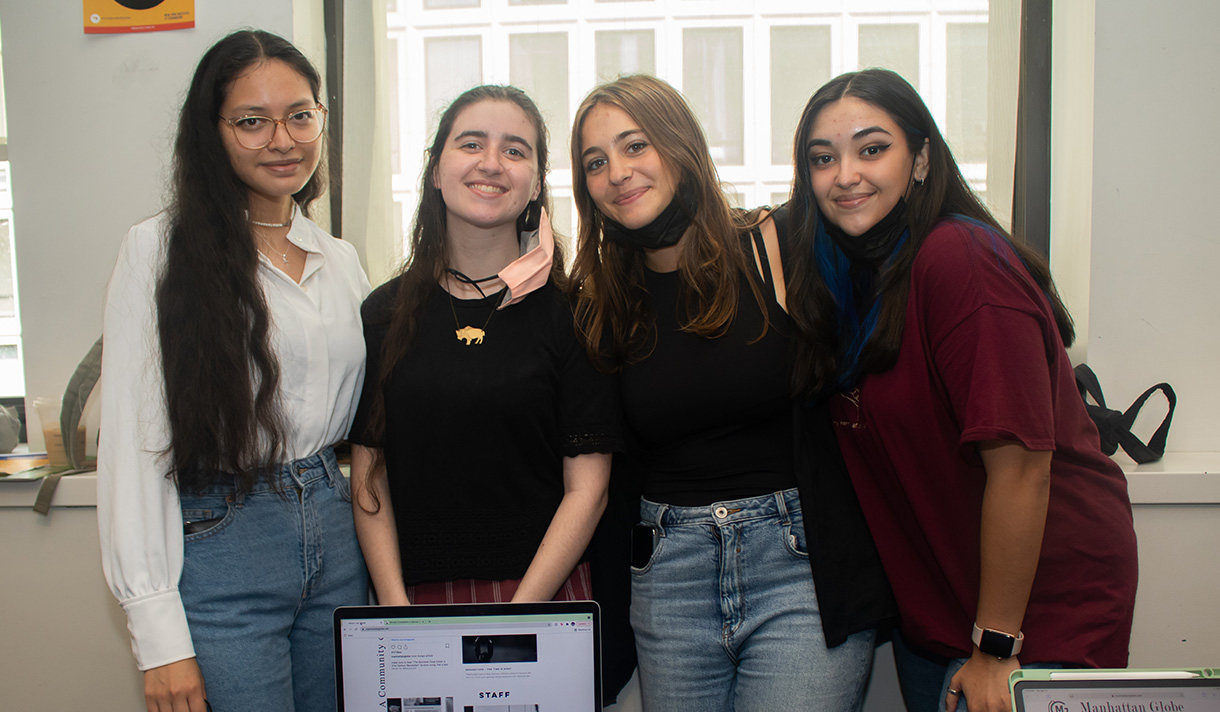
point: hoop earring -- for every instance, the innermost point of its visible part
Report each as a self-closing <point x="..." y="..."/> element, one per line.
<point x="529" y="219"/>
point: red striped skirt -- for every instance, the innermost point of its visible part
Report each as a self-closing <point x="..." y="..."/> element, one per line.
<point x="578" y="587"/>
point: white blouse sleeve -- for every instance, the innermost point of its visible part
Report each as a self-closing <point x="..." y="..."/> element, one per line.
<point x="139" y="517"/>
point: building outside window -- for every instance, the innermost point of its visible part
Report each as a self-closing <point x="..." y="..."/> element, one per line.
<point x="12" y="375"/>
<point x="747" y="68"/>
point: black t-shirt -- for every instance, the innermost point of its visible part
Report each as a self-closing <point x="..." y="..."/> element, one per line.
<point x="712" y="417"/>
<point x="476" y="433"/>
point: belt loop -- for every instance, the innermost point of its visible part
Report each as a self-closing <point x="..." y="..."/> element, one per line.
<point x="783" y="508"/>
<point x="331" y="463"/>
<point x="238" y="497"/>
<point x="661" y="510"/>
<point x="657" y="514"/>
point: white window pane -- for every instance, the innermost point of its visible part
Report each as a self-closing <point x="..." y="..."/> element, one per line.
<point x="561" y="220"/>
<point x="894" y="47"/>
<point x="538" y="64"/>
<point x="446" y="4"/>
<point x="8" y="302"/>
<point x="966" y="91"/>
<point x="452" y="65"/>
<point x="396" y="104"/>
<point x="625" y="52"/>
<point x="800" y="63"/>
<point x="779" y="198"/>
<point x="537" y="2"/>
<point x="712" y="82"/>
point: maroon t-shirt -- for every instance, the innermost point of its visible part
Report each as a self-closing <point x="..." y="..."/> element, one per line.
<point x="981" y="359"/>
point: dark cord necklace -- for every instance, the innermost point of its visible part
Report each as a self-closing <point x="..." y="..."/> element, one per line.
<point x="473" y="336"/>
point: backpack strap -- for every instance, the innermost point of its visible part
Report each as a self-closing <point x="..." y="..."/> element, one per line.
<point x="1114" y="427"/>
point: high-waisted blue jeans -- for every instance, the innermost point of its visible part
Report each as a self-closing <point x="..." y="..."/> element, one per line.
<point x="261" y="584"/>
<point x="726" y="617"/>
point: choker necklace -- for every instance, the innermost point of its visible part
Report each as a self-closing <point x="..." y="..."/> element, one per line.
<point x="291" y="215"/>
<point x="472" y="335"/>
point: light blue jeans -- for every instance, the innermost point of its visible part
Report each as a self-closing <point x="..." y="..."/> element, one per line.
<point x="260" y="587"/>
<point x="726" y="617"/>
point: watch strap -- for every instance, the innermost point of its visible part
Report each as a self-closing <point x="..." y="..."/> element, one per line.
<point x="996" y="642"/>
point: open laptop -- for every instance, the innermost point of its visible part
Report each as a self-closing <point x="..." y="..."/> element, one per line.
<point x="481" y="657"/>
<point x="1181" y="690"/>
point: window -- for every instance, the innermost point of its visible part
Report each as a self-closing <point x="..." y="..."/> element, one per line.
<point x="12" y="372"/>
<point x="747" y="69"/>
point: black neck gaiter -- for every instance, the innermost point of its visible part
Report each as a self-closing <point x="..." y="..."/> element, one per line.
<point x="664" y="231"/>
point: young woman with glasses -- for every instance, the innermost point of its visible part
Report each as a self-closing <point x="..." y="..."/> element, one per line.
<point x="233" y="361"/>
<point x="938" y="340"/>
<point x="683" y="297"/>
<point x="483" y="436"/>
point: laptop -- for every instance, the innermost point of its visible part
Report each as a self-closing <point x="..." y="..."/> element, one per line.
<point x="1180" y="690"/>
<point x="480" y="657"/>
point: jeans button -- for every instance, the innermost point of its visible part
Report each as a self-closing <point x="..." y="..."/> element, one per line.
<point x="721" y="512"/>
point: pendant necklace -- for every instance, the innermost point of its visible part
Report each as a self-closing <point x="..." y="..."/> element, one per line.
<point x="472" y="335"/>
<point x="283" y="255"/>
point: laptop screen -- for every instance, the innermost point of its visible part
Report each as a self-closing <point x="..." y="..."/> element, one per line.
<point x="501" y="657"/>
<point x="1193" y="695"/>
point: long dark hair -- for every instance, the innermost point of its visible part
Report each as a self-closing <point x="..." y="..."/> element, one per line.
<point x="611" y="308"/>
<point x="221" y="374"/>
<point x="944" y="192"/>
<point x="426" y="262"/>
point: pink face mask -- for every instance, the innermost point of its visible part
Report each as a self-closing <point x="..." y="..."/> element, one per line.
<point x="532" y="269"/>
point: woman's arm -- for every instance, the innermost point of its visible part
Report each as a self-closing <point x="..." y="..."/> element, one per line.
<point x="376" y="530"/>
<point x="586" y="481"/>
<point x="139" y="515"/>
<point x="1014" y="516"/>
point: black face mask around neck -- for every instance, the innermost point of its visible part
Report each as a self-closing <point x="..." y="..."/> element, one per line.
<point x="877" y="243"/>
<point x="664" y="231"/>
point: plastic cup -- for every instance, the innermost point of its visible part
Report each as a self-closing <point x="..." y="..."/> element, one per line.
<point x="48" y="414"/>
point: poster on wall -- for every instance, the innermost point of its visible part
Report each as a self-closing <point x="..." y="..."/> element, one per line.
<point x="110" y="16"/>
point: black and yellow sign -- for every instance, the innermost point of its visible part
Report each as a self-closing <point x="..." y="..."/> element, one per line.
<point x="108" y="16"/>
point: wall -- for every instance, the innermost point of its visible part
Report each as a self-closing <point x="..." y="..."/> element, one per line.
<point x="1154" y="307"/>
<point x="90" y="125"/>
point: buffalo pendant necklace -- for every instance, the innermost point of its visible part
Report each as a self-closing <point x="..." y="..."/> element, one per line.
<point x="472" y="335"/>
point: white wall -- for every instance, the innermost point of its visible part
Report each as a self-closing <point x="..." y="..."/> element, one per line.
<point x="1154" y="304"/>
<point x="90" y="125"/>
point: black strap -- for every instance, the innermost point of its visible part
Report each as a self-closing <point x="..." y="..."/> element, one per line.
<point x="1114" y="426"/>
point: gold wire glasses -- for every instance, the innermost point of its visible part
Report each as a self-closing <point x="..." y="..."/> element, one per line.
<point x="256" y="132"/>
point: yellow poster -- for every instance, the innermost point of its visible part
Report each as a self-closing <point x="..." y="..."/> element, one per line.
<point x="108" y="16"/>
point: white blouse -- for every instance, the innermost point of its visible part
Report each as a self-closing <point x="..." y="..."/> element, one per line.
<point x="317" y="337"/>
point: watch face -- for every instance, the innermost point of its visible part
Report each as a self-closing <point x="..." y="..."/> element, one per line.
<point x="996" y="643"/>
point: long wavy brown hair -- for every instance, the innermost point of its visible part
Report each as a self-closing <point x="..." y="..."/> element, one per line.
<point x="608" y="278"/>
<point x="221" y="374"/>
<point x="944" y="192"/>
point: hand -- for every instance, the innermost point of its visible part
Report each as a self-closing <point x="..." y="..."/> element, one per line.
<point x="177" y="687"/>
<point x="983" y="682"/>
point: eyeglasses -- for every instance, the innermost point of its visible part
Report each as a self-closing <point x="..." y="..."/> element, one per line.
<point x="255" y="132"/>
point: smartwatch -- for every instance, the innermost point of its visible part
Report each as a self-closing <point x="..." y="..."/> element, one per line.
<point x="996" y="642"/>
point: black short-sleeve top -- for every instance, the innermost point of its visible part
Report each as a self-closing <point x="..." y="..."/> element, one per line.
<point x="475" y="433"/>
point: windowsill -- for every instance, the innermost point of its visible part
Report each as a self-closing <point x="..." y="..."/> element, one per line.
<point x="1177" y="478"/>
<point x="73" y="491"/>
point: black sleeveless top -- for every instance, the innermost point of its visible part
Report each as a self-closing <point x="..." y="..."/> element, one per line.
<point x="711" y="419"/>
